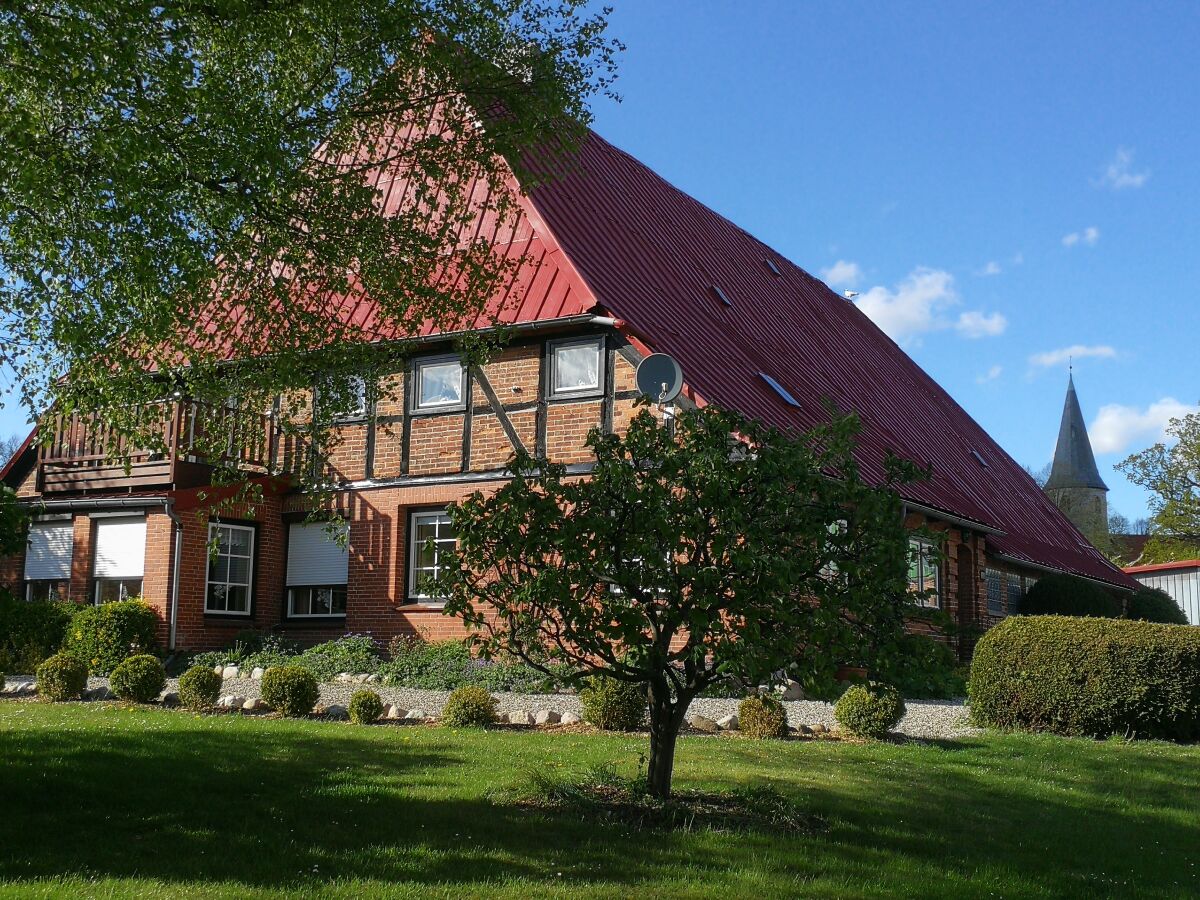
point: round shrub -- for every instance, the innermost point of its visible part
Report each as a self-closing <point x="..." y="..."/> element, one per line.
<point x="365" y="707"/>
<point x="762" y="717"/>
<point x="199" y="687"/>
<point x="612" y="704"/>
<point x="1153" y="605"/>
<point x="290" y="689"/>
<point x="1067" y="595"/>
<point x="61" y="677"/>
<point x="1092" y="677"/>
<point x="103" y="636"/>
<point x="470" y="705"/>
<point x="139" y="679"/>
<point x="869" y="710"/>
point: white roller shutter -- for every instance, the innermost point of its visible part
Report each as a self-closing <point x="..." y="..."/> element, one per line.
<point x="120" y="548"/>
<point x="49" y="553"/>
<point x="314" y="557"/>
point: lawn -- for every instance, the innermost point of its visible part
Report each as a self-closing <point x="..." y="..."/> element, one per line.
<point x="104" y="800"/>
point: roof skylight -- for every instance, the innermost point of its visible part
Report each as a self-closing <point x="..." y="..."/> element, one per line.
<point x="979" y="458"/>
<point x="721" y="296"/>
<point x="780" y="390"/>
<point x="770" y="264"/>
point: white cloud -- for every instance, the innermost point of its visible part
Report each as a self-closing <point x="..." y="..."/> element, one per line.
<point x="992" y="268"/>
<point x="990" y="375"/>
<point x="1119" y="174"/>
<point x="1089" y="236"/>
<point x="974" y="324"/>
<point x="842" y="274"/>
<point x="1117" y="428"/>
<point x="1018" y="258"/>
<point x="1050" y="358"/>
<point x="921" y="303"/>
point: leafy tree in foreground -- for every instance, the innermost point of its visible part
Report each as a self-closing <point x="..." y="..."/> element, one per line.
<point x="1171" y="472"/>
<point x="188" y="183"/>
<point x="686" y="559"/>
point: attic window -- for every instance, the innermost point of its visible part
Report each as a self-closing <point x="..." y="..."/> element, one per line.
<point x="979" y="459"/>
<point x="770" y="264"/>
<point x="721" y="296"/>
<point x="780" y="390"/>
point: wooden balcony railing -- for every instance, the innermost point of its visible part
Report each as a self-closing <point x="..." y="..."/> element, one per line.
<point x="85" y="452"/>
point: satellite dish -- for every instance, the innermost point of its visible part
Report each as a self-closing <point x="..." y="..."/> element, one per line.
<point x="659" y="378"/>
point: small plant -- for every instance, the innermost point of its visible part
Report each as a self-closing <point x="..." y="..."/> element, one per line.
<point x="469" y="706"/>
<point x="365" y="707"/>
<point x="870" y="710"/>
<point x="61" y="677"/>
<point x="199" y="687"/>
<point x="103" y="636"/>
<point x="612" y="704"/>
<point x="139" y="679"/>
<point x="354" y="653"/>
<point x="762" y="717"/>
<point x="403" y="644"/>
<point x="291" y="690"/>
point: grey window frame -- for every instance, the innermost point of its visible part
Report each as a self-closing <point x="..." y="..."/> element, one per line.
<point x="926" y="551"/>
<point x="416" y="408"/>
<point x="552" y="348"/>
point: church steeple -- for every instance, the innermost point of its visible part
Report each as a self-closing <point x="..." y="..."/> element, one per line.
<point x="1075" y="484"/>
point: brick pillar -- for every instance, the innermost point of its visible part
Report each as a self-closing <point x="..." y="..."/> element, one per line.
<point x="156" y="577"/>
<point x="81" y="560"/>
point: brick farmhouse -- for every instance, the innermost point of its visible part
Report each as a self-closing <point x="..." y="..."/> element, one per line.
<point x="615" y="263"/>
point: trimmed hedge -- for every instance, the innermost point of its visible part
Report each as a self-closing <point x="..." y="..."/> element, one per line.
<point x="290" y="689"/>
<point x="30" y="633"/>
<point x="139" y="679"/>
<point x="612" y="704"/>
<point x="1086" y="676"/>
<point x="199" y="688"/>
<point x="870" y="710"/>
<point x="61" y="677"/>
<point x="1067" y="595"/>
<point x="469" y="706"/>
<point x="103" y="636"/>
<point x="1153" y="605"/>
<point x="366" y="707"/>
<point x="762" y="717"/>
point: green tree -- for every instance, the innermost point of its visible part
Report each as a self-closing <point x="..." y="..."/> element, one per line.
<point x="186" y="183"/>
<point x="685" y="559"/>
<point x="1170" y="471"/>
<point x="14" y="523"/>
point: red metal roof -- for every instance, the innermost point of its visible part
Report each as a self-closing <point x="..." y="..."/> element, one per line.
<point x="1163" y="567"/>
<point x="654" y="256"/>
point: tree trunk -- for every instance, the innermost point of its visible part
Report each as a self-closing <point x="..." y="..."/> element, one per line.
<point x="666" y="718"/>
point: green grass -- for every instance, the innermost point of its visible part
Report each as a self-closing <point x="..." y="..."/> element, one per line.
<point x="104" y="800"/>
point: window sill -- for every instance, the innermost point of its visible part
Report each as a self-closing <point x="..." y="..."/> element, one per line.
<point x="421" y="606"/>
<point x="231" y="616"/>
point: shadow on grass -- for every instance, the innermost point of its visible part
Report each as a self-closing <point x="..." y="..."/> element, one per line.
<point x="129" y="793"/>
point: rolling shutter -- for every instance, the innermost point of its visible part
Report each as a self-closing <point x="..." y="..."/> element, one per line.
<point x="49" y="553"/>
<point x="314" y="557"/>
<point x="120" y="548"/>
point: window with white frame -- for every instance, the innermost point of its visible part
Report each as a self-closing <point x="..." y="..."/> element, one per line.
<point x="439" y="384"/>
<point x="432" y="547"/>
<point x="575" y="367"/>
<point x="317" y="571"/>
<point x="347" y="394"/>
<point x="48" y="561"/>
<point x="924" y="576"/>
<point x="119" y="558"/>
<point x="230" y="569"/>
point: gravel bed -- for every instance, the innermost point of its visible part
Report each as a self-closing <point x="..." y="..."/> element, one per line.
<point x="924" y="718"/>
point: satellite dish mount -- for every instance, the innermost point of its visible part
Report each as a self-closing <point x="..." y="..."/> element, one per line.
<point x="660" y="378"/>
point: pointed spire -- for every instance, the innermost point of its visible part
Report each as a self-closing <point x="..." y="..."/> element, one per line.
<point x="1074" y="464"/>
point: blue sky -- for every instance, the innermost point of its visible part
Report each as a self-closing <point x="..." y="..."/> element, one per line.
<point x="998" y="184"/>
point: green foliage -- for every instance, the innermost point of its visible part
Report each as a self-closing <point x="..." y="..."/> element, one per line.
<point x="1170" y="471"/>
<point x="61" y="677"/>
<point x="14" y="521"/>
<point x="199" y="688"/>
<point x="139" y="679"/>
<point x="1068" y="595"/>
<point x="365" y="707"/>
<point x="612" y="704"/>
<point x="870" y="710"/>
<point x="103" y="636"/>
<point x="762" y="717"/>
<point x="1153" y="605"/>
<point x="684" y="560"/>
<point x="1086" y="676"/>
<point x="446" y="665"/>
<point x="291" y="690"/>
<point x="469" y="706"/>
<point x="31" y="632"/>
<point x="354" y="653"/>
<point x="922" y="667"/>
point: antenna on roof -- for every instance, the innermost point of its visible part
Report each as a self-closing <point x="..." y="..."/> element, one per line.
<point x="660" y="378"/>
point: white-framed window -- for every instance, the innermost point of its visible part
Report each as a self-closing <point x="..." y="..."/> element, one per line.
<point x="576" y="368"/>
<point x="47" y="589"/>
<point x="439" y="384"/>
<point x="924" y="575"/>
<point x="349" y="393"/>
<point x="48" y="560"/>
<point x="432" y="546"/>
<point x="230" y="569"/>
<point x="119" y="557"/>
<point x="318" y="568"/>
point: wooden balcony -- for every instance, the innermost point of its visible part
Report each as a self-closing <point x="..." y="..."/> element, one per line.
<point x="84" y="453"/>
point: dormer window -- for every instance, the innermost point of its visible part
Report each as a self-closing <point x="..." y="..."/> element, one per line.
<point x="439" y="384"/>
<point x="575" y="369"/>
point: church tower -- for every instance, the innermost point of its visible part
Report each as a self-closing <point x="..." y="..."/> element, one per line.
<point x="1075" y="484"/>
